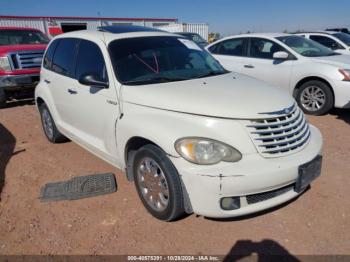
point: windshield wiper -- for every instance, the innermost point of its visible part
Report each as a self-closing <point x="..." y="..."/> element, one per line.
<point x="211" y="73"/>
<point x="160" y="79"/>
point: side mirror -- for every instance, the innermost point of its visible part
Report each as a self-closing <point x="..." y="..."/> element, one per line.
<point x="93" y="80"/>
<point x="281" y="55"/>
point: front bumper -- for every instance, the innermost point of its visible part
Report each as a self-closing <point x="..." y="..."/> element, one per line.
<point x="341" y="94"/>
<point x="206" y="185"/>
<point x="19" y="82"/>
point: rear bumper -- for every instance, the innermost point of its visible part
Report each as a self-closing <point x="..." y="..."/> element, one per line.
<point x="19" y="82"/>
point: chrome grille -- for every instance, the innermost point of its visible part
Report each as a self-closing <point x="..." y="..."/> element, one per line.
<point x="26" y="59"/>
<point x="280" y="135"/>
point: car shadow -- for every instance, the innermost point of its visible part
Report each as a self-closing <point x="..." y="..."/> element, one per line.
<point x="7" y="147"/>
<point x="342" y="114"/>
<point x="257" y="214"/>
<point x="265" y="250"/>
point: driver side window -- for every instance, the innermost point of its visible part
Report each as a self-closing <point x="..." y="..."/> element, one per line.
<point x="326" y="41"/>
<point x="263" y="48"/>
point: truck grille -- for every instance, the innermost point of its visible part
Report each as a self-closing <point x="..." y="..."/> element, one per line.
<point x="278" y="136"/>
<point x="27" y="59"/>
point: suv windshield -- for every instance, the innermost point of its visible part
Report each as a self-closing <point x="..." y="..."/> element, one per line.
<point x="305" y="47"/>
<point x="148" y="60"/>
<point x="194" y="37"/>
<point x="345" y="38"/>
<point x="22" y="37"/>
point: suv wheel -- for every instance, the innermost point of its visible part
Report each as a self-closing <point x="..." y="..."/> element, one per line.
<point x="158" y="183"/>
<point x="2" y="98"/>
<point x="315" y="98"/>
<point x="49" y="126"/>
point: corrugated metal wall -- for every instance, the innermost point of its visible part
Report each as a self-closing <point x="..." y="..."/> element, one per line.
<point x="199" y="28"/>
<point x="38" y="23"/>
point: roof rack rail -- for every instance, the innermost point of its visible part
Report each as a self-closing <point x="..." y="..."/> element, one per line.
<point x="115" y="29"/>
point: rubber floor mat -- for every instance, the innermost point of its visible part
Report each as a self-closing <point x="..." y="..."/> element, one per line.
<point x="79" y="187"/>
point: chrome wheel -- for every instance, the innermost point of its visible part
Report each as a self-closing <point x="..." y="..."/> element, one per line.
<point x="153" y="184"/>
<point x="47" y="123"/>
<point x="313" y="98"/>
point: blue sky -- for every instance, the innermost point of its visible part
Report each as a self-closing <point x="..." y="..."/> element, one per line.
<point x="223" y="16"/>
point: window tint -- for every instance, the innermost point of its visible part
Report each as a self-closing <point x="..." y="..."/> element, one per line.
<point x="49" y="54"/>
<point x="326" y="41"/>
<point x="234" y="47"/>
<point x="90" y="61"/>
<point x="63" y="61"/>
<point x="264" y="48"/>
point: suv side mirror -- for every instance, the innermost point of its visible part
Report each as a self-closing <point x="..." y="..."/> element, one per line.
<point x="281" y="55"/>
<point x="93" y="80"/>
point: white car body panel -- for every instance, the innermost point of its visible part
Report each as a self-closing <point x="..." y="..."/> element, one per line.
<point x="103" y="121"/>
<point x="288" y="74"/>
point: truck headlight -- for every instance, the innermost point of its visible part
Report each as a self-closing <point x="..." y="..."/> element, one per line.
<point x="205" y="151"/>
<point x="5" y="63"/>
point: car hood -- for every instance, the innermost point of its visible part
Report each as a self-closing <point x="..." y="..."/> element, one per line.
<point x="228" y="96"/>
<point x="337" y="60"/>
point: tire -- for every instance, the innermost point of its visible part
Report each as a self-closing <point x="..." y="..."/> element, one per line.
<point x="49" y="126"/>
<point x="315" y="98"/>
<point x="161" y="181"/>
<point x="2" y="98"/>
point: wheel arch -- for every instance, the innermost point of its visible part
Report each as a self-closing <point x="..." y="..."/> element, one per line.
<point x="311" y="78"/>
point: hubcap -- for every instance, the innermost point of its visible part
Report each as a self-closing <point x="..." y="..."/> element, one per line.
<point x="153" y="184"/>
<point x="313" y="98"/>
<point x="47" y="123"/>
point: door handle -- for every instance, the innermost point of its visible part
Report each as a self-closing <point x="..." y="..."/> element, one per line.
<point x="248" y="66"/>
<point x="72" y="91"/>
<point x="47" y="81"/>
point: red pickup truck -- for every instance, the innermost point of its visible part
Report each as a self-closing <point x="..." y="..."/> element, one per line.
<point x="21" y="53"/>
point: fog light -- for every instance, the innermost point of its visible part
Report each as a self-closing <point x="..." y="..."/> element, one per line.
<point x="230" y="203"/>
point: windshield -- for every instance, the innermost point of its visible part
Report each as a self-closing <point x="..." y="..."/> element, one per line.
<point x="345" y="38"/>
<point x="147" y="60"/>
<point x="305" y="47"/>
<point x="22" y="37"/>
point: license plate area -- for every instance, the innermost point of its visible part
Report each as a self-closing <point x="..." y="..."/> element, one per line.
<point x="307" y="173"/>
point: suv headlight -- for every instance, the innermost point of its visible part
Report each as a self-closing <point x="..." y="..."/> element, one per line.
<point x="5" y="63"/>
<point x="205" y="151"/>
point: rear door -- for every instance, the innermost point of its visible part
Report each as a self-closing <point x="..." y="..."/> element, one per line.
<point x="230" y="53"/>
<point x="261" y="65"/>
<point x="61" y="80"/>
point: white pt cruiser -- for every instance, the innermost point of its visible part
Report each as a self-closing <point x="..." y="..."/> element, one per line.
<point x="191" y="135"/>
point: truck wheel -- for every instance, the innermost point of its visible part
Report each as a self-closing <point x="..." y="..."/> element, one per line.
<point x="2" y="98"/>
<point x="158" y="183"/>
<point x="315" y="98"/>
<point x="49" y="126"/>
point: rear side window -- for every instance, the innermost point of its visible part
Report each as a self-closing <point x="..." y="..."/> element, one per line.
<point x="49" y="54"/>
<point x="326" y="41"/>
<point x="233" y="47"/>
<point x="90" y="61"/>
<point x="64" y="57"/>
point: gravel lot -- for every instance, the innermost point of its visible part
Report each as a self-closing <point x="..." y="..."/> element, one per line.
<point x="316" y="223"/>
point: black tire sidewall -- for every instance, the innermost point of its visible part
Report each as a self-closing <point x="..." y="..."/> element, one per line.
<point x="2" y="98"/>
<point x="329" y="97"/>
<point x="175" y="207"/>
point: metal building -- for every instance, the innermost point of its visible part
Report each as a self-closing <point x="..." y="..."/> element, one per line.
<point x="53" y="25"/>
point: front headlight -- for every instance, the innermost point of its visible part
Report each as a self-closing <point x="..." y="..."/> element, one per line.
<point x="205" y="151"/>
<point x="5" y="63"/>
<point x="345" y="73"/>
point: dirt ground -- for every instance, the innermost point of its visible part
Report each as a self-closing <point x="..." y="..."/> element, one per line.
<point x="316" y="223"/>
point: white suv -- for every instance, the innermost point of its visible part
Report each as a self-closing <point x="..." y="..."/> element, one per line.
<point x="316" y="76"/>
<point x="193" y="137"/>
